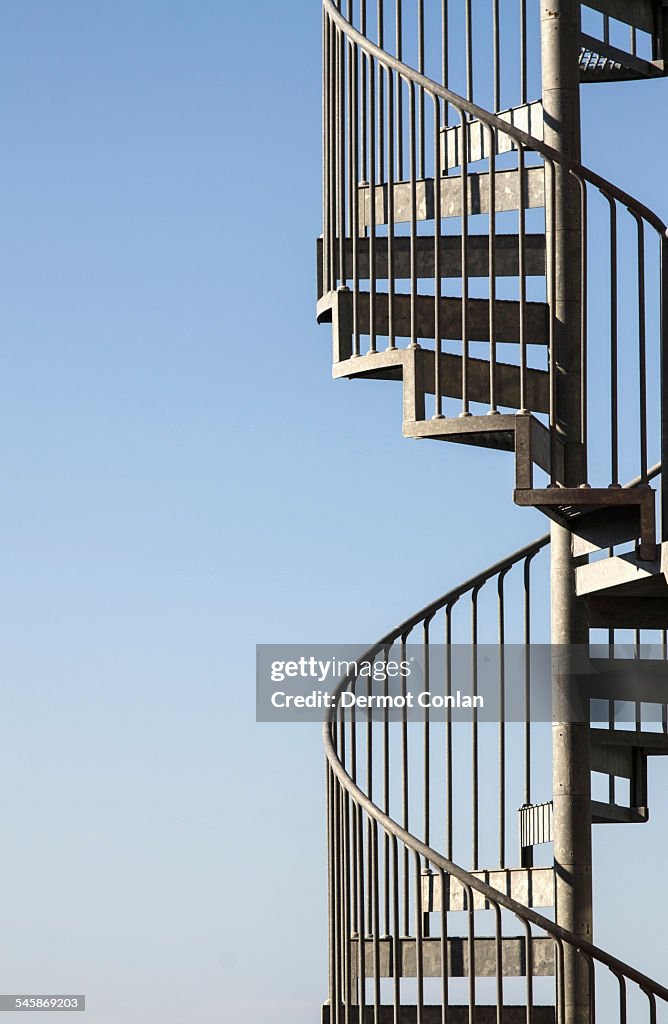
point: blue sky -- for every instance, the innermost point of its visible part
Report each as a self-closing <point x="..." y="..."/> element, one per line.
<point x="181" y="480"/>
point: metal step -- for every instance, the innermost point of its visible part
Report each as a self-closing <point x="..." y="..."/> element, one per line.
<point x="506" y="256"/>
<point x="528" y="118"/>
<point x="532" y="887"/>
<point x="614" y="814"/>
<point x="567" y="505"/>
<point x="434" y="1014"/>
<point x="507" y="318"/>
<point x="601" y="62"/>
<point x="416" y="366"/>
<point x="507" y="196"/>
<point x="513" y="951"/>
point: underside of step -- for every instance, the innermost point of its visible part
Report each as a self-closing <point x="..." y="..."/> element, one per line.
<point x="625" y="591"/>
<point x="601" y="62"/>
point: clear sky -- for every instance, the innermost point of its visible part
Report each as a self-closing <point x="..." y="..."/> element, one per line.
<point x="180" y="480"/>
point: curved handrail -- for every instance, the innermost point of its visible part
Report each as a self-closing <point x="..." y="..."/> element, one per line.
<point x="431" y="856"/>
<point x="491" y="120"/>
<point x="494" y="895"/>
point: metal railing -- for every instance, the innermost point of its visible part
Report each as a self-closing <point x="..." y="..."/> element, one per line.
<point x="404" y="154"/>
<point x="413" y="935"/>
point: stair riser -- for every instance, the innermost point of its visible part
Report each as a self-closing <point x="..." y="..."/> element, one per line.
<point x="514" y="958"/>
<point x="506" y="257"/>
<point x="507" y="195"/>
<point x="507" y="326"/>
<point x="434" y="1015"/>
<point x="527" y="118"/>
<point x="532" y="888"/>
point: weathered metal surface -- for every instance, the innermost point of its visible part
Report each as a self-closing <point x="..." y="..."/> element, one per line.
<point x="513" y="952"/>
<point x="533" y="887"/>
<point x="507" y="196"/>
<point x="528" y="118"/>
<point x="407" y="1014"/>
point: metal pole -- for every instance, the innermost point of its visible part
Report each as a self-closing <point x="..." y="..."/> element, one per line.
<point x="560" y="34"/>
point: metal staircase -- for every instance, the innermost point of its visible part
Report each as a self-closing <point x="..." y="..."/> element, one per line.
<point x="520" y="299"/>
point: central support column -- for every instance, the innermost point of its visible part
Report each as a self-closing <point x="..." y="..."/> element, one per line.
<point x="560" y="45"/>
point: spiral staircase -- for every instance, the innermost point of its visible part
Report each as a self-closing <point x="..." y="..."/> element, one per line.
<point x="520" y="300"/>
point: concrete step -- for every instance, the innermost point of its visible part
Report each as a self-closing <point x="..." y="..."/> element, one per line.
<point x="418" y="365"/>
<point x="506" y="256"/>
<point x="513" y="951"/>
<point x="506" y="194"/>
<point x="528" y="118"/>
<point x="532" y="887"/>
<point x="434" y="1014"/>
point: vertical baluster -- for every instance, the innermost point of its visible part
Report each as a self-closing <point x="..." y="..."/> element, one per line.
<point x="399" y="29"/>
<point x="341" y="154"/>
<point x="380" y="17"/>
<point x="361" y="941"/>
<point x="523" y="51"/>
<point x="396" y="934"/>
<point x="386" y="799"/>
<point x="642" y="352"/>
<point x="498" y="962"/>
<point x="438" y="343"/>
<point x="413" y="224"/>
<point x="663" y="372"/>
<point x="444" y="57"/>
<point x="496" y="69"/>
<point x="392" y="343"/>
<point x="465" y="265"/>
<point x="405" y="821"/>
<point x="445" y="966"/>
<point x="375" y="932"/>
<point x="475" y="767"/>
<point x="522" y="278"/>
<point x="326" y="159"/>
<point x="426" y="778"/>
<point x="363" y="104"/>
<point x="527" y="680"/>
<point x="369" y="792"/>
<point x="614" y="348"/>
<point x="419" y="948"/>
<point x="449" y="824"/>
<point x="469" y="51"/>
<point x="584" y="367"/>
<point x="421" y="97"/>
<point x="333" y="995"/>
<point x="492" y="271"/>
<point x="372" y="219"/>
<point x="355" y="192"/>
<point x="501" y="605"/>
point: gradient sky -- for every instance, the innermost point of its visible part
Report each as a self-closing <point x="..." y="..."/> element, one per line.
<point x="181" y="480"/>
